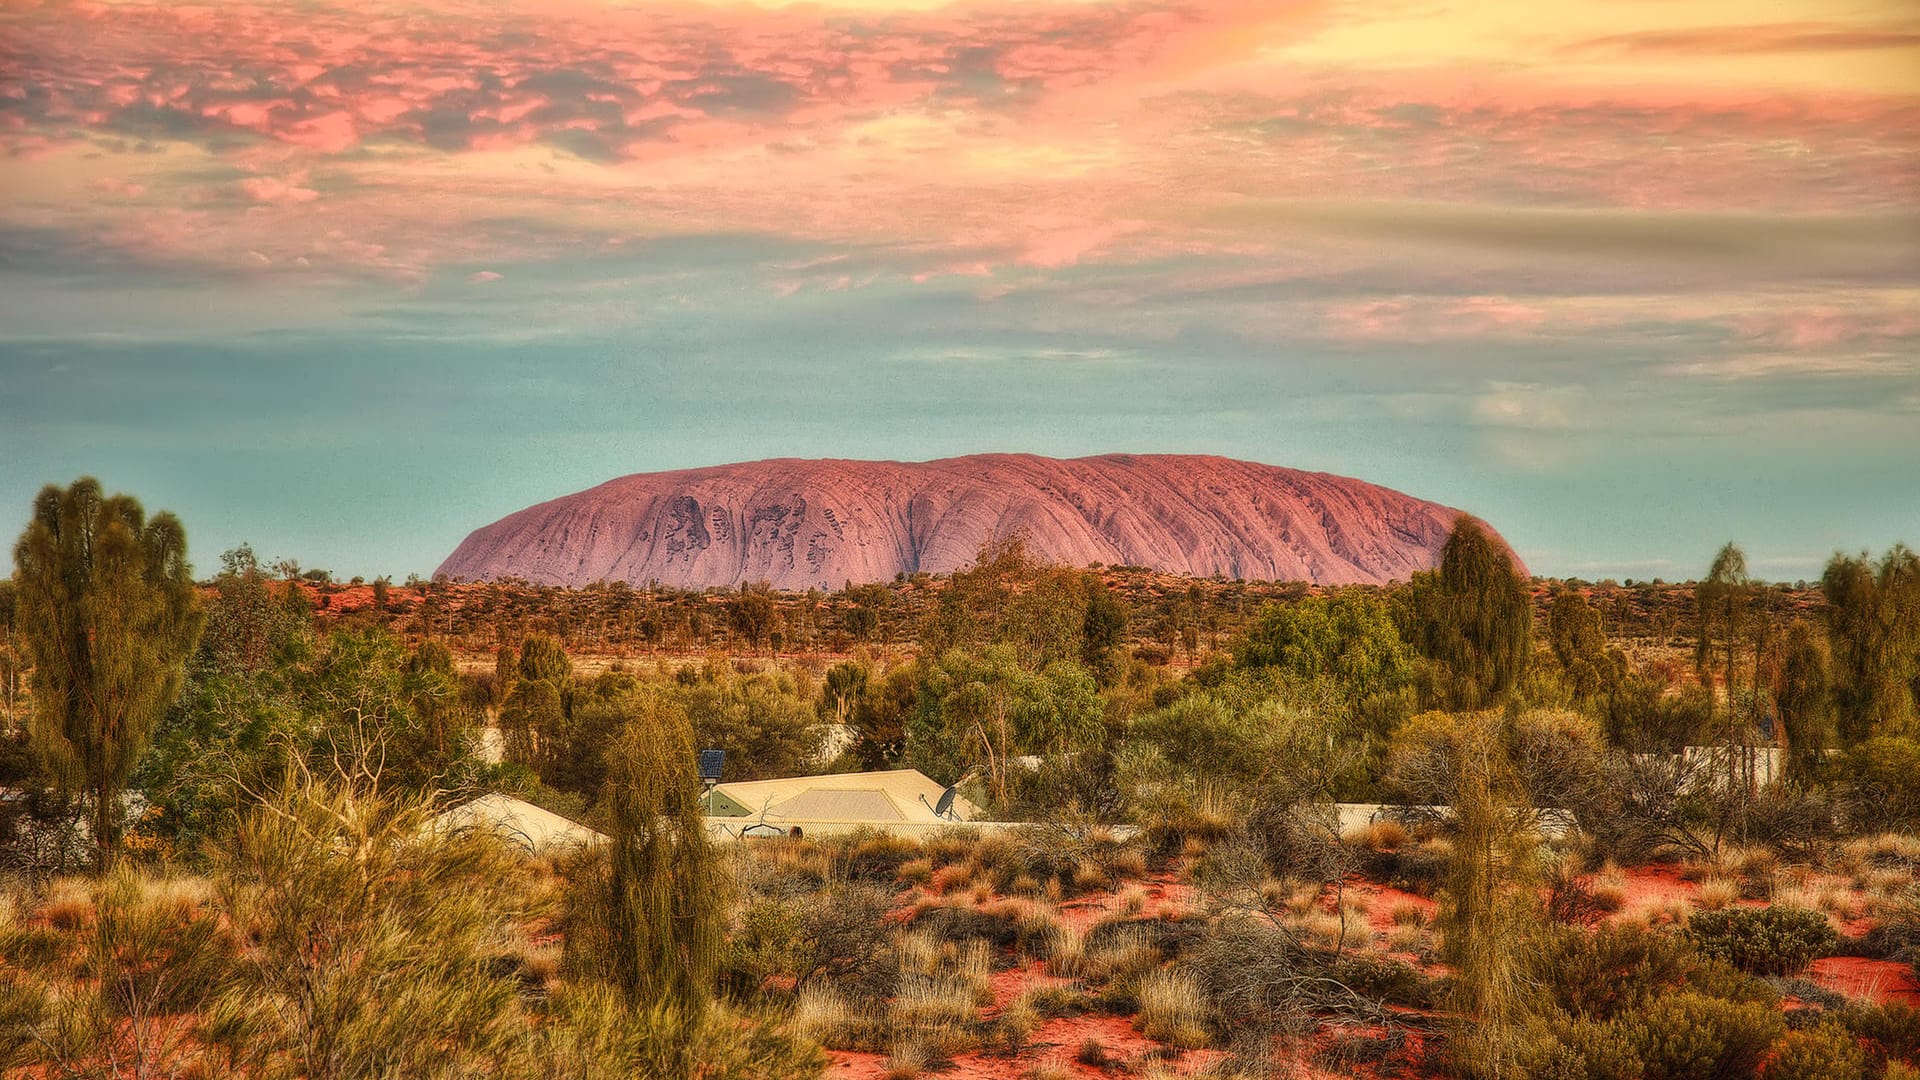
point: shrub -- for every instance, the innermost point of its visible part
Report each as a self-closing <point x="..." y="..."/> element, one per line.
<point x="1892" y="1030"/>
<point x="1824" y="1052"/>
<point x="371" y="945"/>
<point x="879" y="857"/>
<point x="1767" y="941"/>
<point x="1579" y="1050"/>
<point x="1611" y="970"/>
<point x="1690" y="1037"/>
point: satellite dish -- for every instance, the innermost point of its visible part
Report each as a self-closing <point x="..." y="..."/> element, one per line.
<point x="944" y="808"/>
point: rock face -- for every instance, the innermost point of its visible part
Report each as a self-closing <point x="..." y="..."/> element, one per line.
<point x="822" y="523"/>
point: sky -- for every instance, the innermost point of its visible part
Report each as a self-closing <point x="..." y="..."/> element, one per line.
<point x="346" y="279"/>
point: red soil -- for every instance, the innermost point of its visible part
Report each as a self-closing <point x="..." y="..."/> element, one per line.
<point x="1648" y="886"/>
<point x="1874" y="980"/>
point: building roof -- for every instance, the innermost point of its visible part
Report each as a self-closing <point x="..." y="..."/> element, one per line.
<point x="895" y="796"/>
<point x="517" y="821"/>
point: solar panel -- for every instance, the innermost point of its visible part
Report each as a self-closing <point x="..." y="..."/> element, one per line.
<point x="945" y="806"/>
<point x="711" y="762"/>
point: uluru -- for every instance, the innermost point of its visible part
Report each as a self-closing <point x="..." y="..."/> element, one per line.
<point x="804" y="523"/>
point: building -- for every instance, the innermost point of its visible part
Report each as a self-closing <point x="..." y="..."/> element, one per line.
<point x="540" y="831"/>
<point x="901" y="800"/>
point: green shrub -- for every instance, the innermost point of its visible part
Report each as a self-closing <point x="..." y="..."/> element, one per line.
<point x="1763" y="941"/>
<point x="1611" y="970"/>
<point x="1824" y="1052"/>
<point x="1891" y="1030"/>
<point x="1716" y="978"/>
<point x="1689" y="1037"/>
<point x="1577" y="1050"/>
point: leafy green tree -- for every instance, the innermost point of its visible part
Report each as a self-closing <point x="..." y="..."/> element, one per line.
<point x="763" y="722"/>
<point x="1873" y="624"/>
<point x="1008" y="597"/>
<point x="752" y="613"/>
<point x="1803" y="698"/>
<point x="981" y="710"/>
<point x="537" y="707"/>
<point x="1104" y="627"/>
<point x="1577" y="634"/>
<point x="1347" y="638"/>
<point x="544" y="658"/>
<point x="108" y="615"/>
<point x="9" y="658"/>
<point x="879" y="716"/>
<point x="1472" y="618"/>
<point x="380" y="714"/>
<point x="1489" y="905"/>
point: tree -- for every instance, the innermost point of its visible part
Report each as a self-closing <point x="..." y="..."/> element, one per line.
<point x="1472" y="618"/>
<point x="9" y="659"/>
<point x="1578" y="636"/>
<point x="1008" y="597"/>
<point x="763" y="723"/>
<point x="647" y="916"/>
<point x="752" y="613"/>
<point x="1724" y="602"/>
<point x="1104" y="626"/>
<point x="1803" y="698"/>
<point x="381" y="714"/>
<point x="1348" y="637"/>
<point x="1489" y="903"/>
<point x="981" y="710"/>
<point x="1873" y="623"/>
<point x="108" y="615"/>
<point x="538" y="705"/>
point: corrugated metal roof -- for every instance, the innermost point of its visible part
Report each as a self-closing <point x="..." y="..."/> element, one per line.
<point x="910" y="793"/>
<point x="849" y="805"/>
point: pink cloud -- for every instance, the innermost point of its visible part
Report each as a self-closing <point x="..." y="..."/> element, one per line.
<point x="1411" y="318"/>
<point x="273" y="189"/>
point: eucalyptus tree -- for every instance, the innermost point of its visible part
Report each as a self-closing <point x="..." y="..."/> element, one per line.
<point x="108" y="615"/>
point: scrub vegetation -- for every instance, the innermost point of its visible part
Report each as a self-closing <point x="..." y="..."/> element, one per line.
<point x="1471" y="825"/>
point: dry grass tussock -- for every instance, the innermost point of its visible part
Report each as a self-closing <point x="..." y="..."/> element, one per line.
<point x="1173" y="1009"/>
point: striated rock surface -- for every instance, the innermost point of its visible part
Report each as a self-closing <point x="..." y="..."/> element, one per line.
<point x="800" y="523"/>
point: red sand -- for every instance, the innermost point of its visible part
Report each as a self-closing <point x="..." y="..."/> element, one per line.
<point x="1874" y="980"/>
